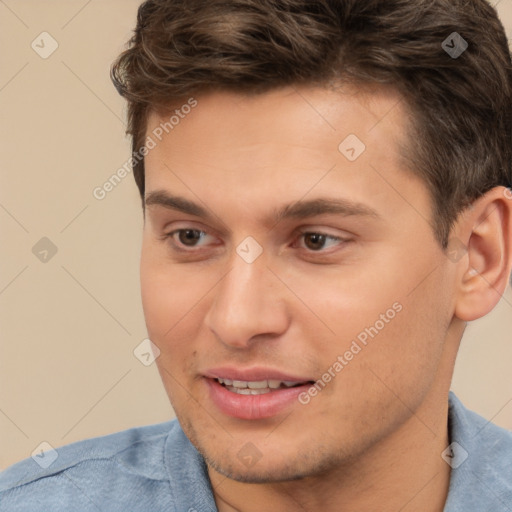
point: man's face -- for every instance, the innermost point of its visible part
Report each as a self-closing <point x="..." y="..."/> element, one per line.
<point x="347" y="287"/>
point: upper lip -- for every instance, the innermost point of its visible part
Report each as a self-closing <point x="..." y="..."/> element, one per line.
<point x="254" y="374"/>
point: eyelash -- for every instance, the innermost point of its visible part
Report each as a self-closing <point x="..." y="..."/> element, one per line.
<point x="300" y="234"/>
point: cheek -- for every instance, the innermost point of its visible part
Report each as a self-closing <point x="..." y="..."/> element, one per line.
<point x="174" y="300"/>
<point x="402" y="359"/>
<point x="170" y="303"/>
<point x="390" y="323"/>
<point x="168" y="292"/>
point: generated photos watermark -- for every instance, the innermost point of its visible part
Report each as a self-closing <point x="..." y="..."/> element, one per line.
<point x="357" y="345"/>
<point x="101" y="192"/>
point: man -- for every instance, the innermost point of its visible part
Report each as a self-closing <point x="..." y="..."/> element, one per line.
<point x="326" y="196"/>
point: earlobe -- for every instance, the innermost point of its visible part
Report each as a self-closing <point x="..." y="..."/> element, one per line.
<point x="485" y="272"/>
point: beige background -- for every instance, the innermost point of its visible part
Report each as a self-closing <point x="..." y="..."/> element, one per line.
<point x="69" y="326"/>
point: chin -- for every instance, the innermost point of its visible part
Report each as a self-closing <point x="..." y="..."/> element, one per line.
<point x="272" y="467"/>
<point x="282" y="457"/>
<point x="263" y="473"/>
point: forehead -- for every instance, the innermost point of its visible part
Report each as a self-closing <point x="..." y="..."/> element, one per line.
<point x="296" y="122"/>
<point x="285" y="143"/>
<point x="302" y="114"/>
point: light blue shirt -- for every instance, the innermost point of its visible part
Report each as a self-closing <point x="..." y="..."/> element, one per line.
<point x="156" y="468"/>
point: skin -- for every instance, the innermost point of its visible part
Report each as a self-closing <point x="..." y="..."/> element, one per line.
<point x="373" y="437"/>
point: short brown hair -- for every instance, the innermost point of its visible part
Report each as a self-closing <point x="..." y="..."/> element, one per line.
<point x="460" y="140"/>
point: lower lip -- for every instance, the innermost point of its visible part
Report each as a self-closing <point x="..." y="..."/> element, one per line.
<point x="253" y="407"/>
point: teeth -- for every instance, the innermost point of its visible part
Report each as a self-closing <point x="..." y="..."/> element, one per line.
<point x="247" y="391"/>
<point x="261" y="384"/>
<point x="255" y="387"/>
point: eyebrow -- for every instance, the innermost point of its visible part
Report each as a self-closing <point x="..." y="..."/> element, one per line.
<point x="297" y="210"/>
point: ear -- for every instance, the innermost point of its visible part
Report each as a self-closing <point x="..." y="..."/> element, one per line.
<point x="483" y="274"/>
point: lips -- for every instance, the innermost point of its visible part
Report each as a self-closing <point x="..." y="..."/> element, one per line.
<point x="255" y="393"/>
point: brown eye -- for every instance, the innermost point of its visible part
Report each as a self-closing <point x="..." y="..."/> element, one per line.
<point x="189" y="237"/>
<point x="315" y="241"/>
<point x="190" y="240"/>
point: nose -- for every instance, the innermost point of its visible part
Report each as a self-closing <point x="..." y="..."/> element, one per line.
<point x="249" y="303"/>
